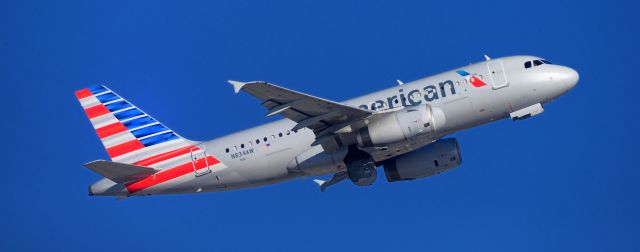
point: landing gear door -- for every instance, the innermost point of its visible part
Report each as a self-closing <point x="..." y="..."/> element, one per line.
<point x="199" y="161"/>
<point x="497" y="73"/>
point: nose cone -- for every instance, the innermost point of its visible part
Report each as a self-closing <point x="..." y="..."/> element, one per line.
<point x="570" y="77"/>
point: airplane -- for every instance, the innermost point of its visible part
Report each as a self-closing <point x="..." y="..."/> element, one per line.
<point x="401" y="128"/>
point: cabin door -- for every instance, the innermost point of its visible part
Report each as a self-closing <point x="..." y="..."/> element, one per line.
<point x="497" y="73"/>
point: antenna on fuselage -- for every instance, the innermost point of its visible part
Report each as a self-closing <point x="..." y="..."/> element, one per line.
<point x="486" y="57"/>
<point x="400" y="82"/>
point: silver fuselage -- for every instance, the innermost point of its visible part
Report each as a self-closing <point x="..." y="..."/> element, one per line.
<point x="513" y="87"/>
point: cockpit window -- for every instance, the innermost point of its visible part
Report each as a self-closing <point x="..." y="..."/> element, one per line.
<point x="537" y="62"/>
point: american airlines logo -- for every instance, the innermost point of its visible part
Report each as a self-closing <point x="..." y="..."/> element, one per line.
<point x="428" y="94"/>
<point x="471" y="78"/>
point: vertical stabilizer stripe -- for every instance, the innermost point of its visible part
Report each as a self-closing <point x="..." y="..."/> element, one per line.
<point x="98" y="89"/>
<point x="128" y="114"/>
<point x="120" y="105"/>
<point x="110" y="129"/>
<point x="83" y="93"/>
<point x="138" y="122"/>
<point x="124" y="148"/>
<point x="96" y="111"/>
<point x="164" y="137"/>
<point x="153" y="129"/>
<point x="107" y="97"/>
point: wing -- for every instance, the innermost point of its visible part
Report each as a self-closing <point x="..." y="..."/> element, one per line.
<point x="324" y="117"/>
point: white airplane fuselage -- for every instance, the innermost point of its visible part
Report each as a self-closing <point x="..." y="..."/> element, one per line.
<point x="272" y="153"/>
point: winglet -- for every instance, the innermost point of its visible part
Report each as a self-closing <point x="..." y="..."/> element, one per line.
<point x="320" y="183"/>
<point x="237" y="85"/>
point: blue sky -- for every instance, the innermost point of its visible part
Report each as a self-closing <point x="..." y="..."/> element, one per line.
<point x="565" y="180"/>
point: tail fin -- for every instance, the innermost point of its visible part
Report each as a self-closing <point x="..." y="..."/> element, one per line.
<point x="128" y="134"/>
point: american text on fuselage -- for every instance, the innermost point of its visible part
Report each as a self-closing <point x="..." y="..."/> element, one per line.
<point x="413" y="97"/>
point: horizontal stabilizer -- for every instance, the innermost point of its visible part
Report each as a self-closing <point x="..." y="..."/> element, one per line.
<point x="119" y="172"/>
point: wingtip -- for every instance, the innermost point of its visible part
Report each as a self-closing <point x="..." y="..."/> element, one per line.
<point x="320" y="183"/>
<point x="93" y="163"/>
<point x="237" y="85"/>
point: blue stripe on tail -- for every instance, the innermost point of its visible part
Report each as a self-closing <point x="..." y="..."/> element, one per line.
<point x="120" y="105"/>
<point x="97" y="89"/>
<point x="158" y="139"/>
<point x="149" y="130"/>
<point x="104" y="98"/>
<point x="138" y="122"/>
<point x="128" y="114"/>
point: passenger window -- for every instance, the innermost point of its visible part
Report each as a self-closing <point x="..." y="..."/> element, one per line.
<point x="537" y="63"/>
<point x="273" y="137"/>
<point x="527" y="64"/>
<point x="257" y="141"/>
<point x="280" y="134"/>
<point x="250" y="143"/>
<point x="242" y="146"/>
<point x="288" y="132"/>
<point x="235" y="148"/>
<point x="227" y="150"/>
<point x="264" y="139"/>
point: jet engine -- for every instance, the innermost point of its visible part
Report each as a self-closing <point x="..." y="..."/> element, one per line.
<point x="430" y="160"/>
<point x="360" y="166"/>
<point x="401" y="125"/>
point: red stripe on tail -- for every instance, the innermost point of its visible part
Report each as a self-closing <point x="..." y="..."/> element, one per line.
<point x="96" y="111"/>
<point x="124" y="148"/>
<point x="170" y="174"/>
<point x="110" y="129"/>
<point x="83" y="93"/>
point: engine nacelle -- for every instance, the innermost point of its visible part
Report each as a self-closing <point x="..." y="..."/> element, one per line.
<point x="360" y="166"/>
<point x="430" y="160"/>
<point x="401" y="125"/>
